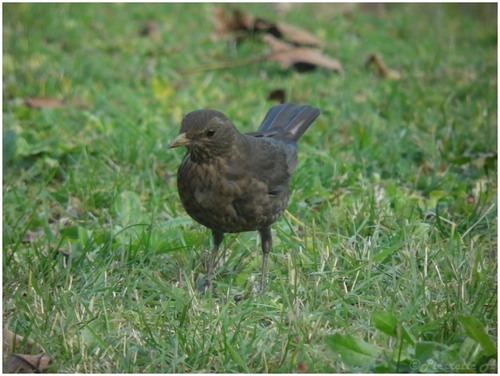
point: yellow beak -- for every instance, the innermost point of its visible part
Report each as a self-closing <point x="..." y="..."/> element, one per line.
<point x="180" y="140"/>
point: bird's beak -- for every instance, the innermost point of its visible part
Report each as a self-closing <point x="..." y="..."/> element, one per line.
<point x="180" y="140"/>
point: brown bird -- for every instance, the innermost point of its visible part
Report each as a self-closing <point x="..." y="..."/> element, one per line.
<point x="232" y="182"/>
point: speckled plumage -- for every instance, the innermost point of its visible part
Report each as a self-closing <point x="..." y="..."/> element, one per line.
<point x="233" y="182"/>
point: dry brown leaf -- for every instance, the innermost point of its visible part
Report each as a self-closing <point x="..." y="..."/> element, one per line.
<point x="33" y="236"/>
<point x="298" y="36"/>
<point x="13" y="342"/>
<point x="382" y="68"/>
<point x="239" y="25"/>
<point x="470" y="200"/>
<point x="277" y="95"/>
<point x="302" y="368"/>
<point x="22" y="363"/>
<point x="302" y="59"/>
<point x="228" y="25"/>
<point x="40" y="103"/>
<point x="151" y="30"/>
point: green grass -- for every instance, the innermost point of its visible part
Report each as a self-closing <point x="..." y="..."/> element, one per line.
<point x="387" y="261"/>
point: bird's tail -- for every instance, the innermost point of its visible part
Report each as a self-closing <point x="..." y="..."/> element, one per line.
<point x="288" y="121"/>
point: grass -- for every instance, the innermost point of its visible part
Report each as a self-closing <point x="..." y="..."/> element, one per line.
<point x="386" y="261"/>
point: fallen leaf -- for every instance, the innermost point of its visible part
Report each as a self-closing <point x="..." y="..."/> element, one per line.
<point x="277" y="95"/>
<point x="40" y="103"/>
<point x="151" y="30"/>
<point x="298" y="36"/>
<point x="33" y="236"/>
<point x="376" y="60"/>
<point x="302" y="59"/>
<point x="22" y="363"/>
<point x="12" y="342"/>
<point x="470" y="200"/>
<point x="239" y="25"/>
<point x="302" y="368"/>
<point x="235" y="25"/>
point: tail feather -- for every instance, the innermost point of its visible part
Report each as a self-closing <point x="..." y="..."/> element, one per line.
<point x="288" y="121"/>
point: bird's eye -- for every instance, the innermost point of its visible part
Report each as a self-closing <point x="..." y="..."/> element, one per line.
<point x="210" y="133"/>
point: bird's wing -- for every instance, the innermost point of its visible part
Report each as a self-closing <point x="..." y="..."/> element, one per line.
<point x="268" y="160"/>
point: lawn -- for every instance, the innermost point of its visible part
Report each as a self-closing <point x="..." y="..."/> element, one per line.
<point x="386" y="260"/>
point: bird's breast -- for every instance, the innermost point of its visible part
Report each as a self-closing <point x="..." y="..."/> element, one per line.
<point x="225" y="198"/>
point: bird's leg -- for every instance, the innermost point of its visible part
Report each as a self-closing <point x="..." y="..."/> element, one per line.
<point x="218" y="237"/>
<point x="266" y="239"/>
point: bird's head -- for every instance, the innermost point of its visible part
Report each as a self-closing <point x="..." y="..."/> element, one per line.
<point x="206" y="134"/>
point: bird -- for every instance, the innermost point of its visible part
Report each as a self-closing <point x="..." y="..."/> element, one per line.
<point x="232" y="182"/>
